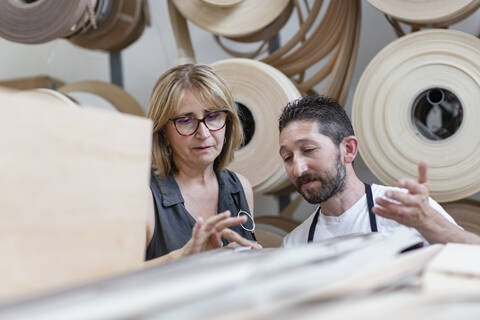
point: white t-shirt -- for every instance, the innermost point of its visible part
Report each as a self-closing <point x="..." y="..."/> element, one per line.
<point x="354" y="220"/>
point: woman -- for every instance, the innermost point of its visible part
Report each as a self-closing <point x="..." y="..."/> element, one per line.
<point x="196" y="130"/>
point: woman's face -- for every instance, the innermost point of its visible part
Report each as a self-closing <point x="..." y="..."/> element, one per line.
<point x="201" y="148"/>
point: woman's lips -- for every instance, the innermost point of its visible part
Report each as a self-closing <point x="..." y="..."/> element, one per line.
<point x="202" y="148"/>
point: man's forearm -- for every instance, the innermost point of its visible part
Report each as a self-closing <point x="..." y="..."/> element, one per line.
<point x="440" y="230"/>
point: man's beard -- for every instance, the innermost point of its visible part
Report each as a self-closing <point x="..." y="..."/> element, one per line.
<point x="331" y="183"/>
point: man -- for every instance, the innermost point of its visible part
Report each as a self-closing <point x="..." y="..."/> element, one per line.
<point x="318" y="147"/>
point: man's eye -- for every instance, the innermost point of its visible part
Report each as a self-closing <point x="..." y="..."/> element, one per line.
<point x="287" y="158"/>
<point x="309" y="150"/>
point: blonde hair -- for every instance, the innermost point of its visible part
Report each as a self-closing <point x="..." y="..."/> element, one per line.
<point x="164" y="103"/>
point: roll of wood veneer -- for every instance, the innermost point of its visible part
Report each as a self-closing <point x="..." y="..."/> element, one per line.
<point x="437" y="13"/>
<point x="112" y="94"/>
<point x="263" y="92"/>
<point x="418" y="99"/>
<point x="41" y="20"/>
<point x="466" y="213"/>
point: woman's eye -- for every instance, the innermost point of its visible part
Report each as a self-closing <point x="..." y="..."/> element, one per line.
<point x="309" y="150"/>
<point x="212" y="116"/>
<point x="184" y="120"/>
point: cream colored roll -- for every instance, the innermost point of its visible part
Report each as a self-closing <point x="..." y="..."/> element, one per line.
<point x="118" y="97"/>
<point x="466" y="213"/>
<point x="398" y="126"/>
<point x="264" y="91"/>
<point x="49" y="95"/>
<point x="90" y="100"/>
<point x="40" y="21"/>
<point x="237" y="20"/>
<point x="430" y="12"/>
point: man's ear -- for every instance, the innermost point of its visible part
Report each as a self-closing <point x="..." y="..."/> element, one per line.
<point x="349" y="148"/>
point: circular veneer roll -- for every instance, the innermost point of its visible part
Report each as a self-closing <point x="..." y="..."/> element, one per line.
<point x="466" y="213"/>
<point x="264" y="91"/>
<point x="418" y="99"/>
<point x="123" y="24"/>
<point x="40" y="21"/>
<point x="427" y="12"/>
<point x="241" y="19"/>
<point x="223" y="3"/>
<point x="90" y="100"/>
<point x="49" y="95"/>
<point x="116" y="96"/>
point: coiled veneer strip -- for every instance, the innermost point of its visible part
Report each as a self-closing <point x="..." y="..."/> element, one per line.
<point x="264" y="91"/>
<point x="118" y="97"/>
<point x="418" y="99"/>
<point x="40" y="21"/>
<point x="437" y="13"/>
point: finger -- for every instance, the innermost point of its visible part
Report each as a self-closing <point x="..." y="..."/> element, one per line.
<point x="197" y="236"/>
<point x="215" y="240"/>
<point x="423" y="172"/>
<point x="232" y="236"/>
<point x="229" y="222"/>
<point x="212" y="221"/>
<point x="388" y="207"/>
<point x="413" y="186"/>
<point x="401" y="197"/>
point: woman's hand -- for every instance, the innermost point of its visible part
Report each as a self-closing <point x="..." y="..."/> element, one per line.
<point x="207" y="235"/>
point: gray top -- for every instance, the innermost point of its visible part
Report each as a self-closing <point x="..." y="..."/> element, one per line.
<point x="174" y="224"/>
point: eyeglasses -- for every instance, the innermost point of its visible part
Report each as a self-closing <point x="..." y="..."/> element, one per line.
<point x="250" y="224"/>
<point x="187" y="126"/>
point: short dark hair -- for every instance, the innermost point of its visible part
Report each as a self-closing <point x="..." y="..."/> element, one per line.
<point x="332" y="119"/>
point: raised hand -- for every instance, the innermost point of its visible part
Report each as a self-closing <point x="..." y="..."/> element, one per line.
<point x="410" y="208"/>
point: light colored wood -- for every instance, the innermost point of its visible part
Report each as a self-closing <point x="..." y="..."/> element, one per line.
<point x="245" y="18"/>
<point x="268" y="239"/>
<point x="281" y="222"/>
<point x="466" y="213"/>
<point x="264" y="94"/>
<point x="223" y="3"/>
<point x="381" y="111"/>
<point x="437" y="13"/>
<point x="118" y="97"/>
<point x="74" y="194"/>
<point x="179" y="25"/>
<point x="29" y="83"/>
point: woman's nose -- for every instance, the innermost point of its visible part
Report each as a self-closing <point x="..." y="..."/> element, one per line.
<point x="202" y="131"/>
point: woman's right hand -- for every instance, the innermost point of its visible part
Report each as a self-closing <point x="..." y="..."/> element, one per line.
<point x="207" y="235"/>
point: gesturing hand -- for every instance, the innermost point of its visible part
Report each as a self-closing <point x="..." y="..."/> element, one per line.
<point x="412" y="208"/>
<point x="207" y="234"/>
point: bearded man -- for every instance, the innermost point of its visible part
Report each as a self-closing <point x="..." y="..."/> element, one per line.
<point x="318" y="147"/>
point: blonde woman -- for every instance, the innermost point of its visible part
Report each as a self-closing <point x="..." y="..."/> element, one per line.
<point x="197" y="204"/>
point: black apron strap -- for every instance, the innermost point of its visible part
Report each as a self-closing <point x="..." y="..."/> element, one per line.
<point x="371" y="215"/>
<point x="311" y="232"/>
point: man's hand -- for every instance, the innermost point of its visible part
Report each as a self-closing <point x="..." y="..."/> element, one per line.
<point x="412" y="208"/>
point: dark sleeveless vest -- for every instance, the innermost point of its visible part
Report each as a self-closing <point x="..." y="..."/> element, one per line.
<point x="173" y="223"/>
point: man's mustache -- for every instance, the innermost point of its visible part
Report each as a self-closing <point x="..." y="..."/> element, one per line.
<point x="307" y="177"/>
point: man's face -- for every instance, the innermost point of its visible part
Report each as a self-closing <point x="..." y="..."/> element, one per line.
<point x="312" y="161"/>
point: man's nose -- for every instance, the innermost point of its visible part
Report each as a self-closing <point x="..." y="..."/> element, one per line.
<point x="299" y="166"/>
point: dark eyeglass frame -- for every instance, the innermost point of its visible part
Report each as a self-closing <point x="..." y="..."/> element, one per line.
<point x="174" y="120"/>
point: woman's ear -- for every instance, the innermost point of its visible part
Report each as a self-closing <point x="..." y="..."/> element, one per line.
<point x="350" y="148"/>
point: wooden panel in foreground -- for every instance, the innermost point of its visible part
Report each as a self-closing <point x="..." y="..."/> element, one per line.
<point x="73" y="194"/>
